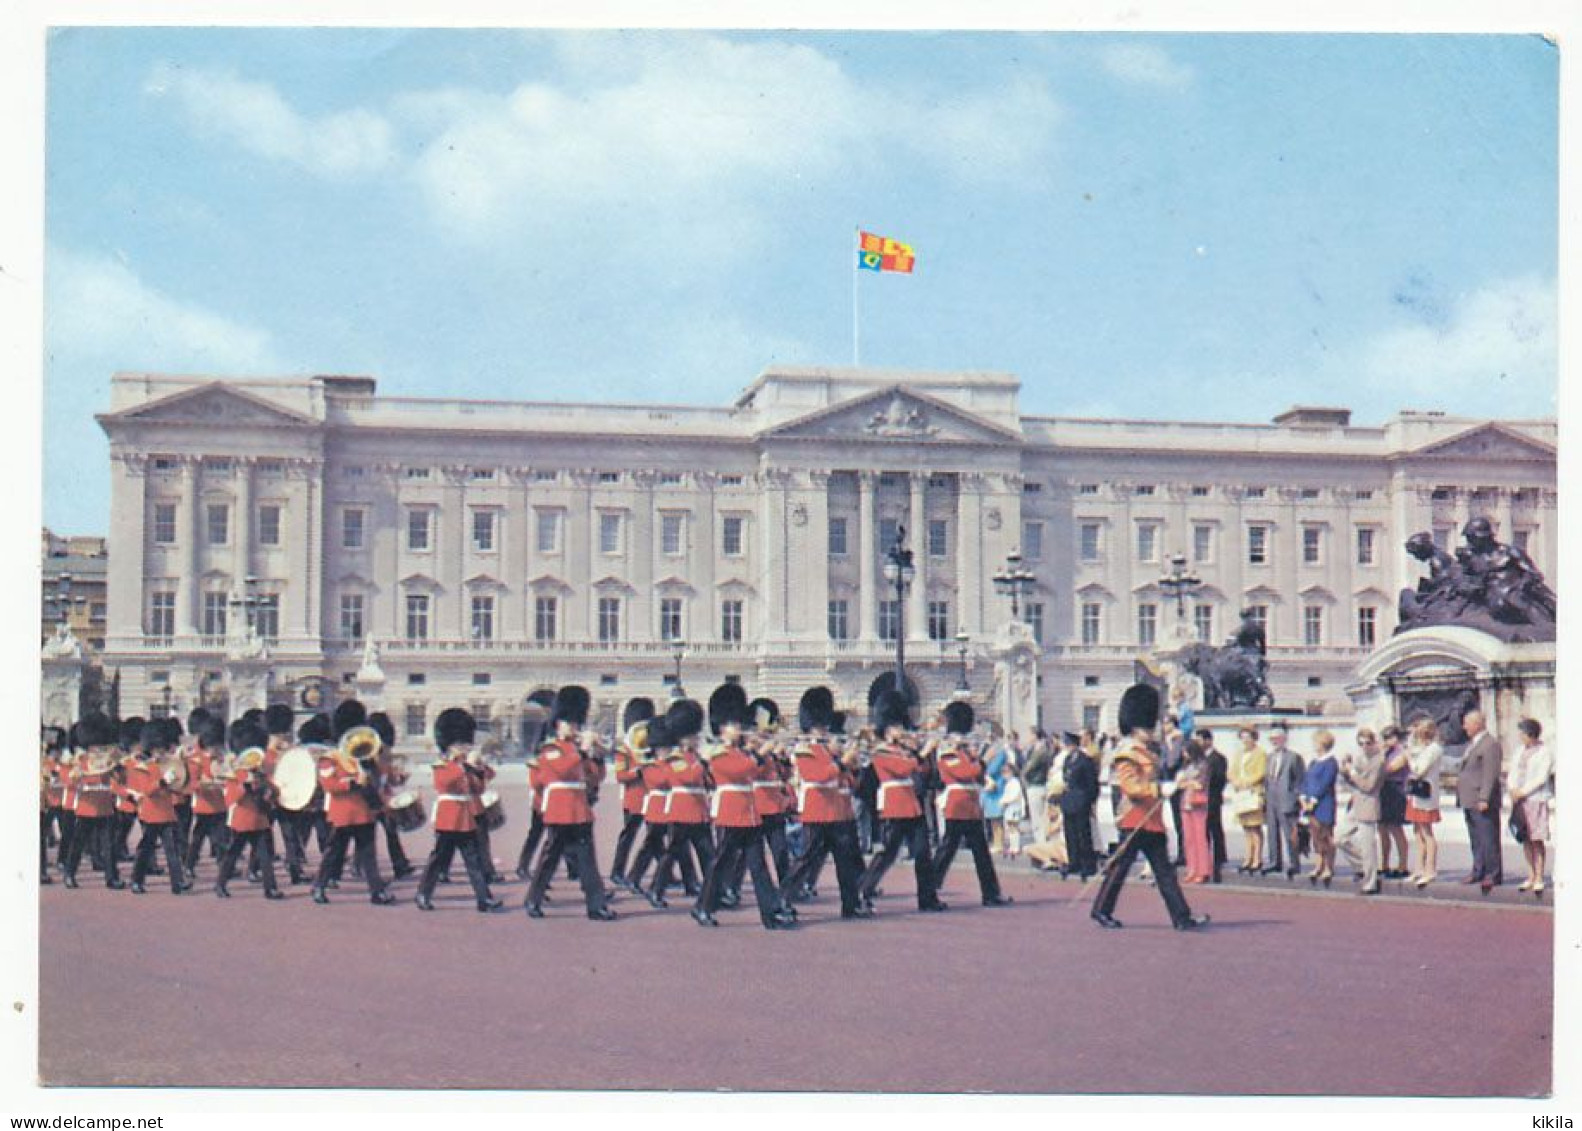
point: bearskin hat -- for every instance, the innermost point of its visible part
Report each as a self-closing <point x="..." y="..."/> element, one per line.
<point x="765" y="713"/>
<point x="154" y="735"/>
<point x="383" y="727"/>
<point x="97" y="729"/>
<point x="683" y="720"/>
<point x="455" y="724"/>
<point x="316" y="731"/>
<point x="278" y="718"/>
<point x="1139" y="708"/>
<point x="349" y="715"/>
<point x="636" y="711"/>
<point x="247" y="733"/>
<point x="131" y="731"/>
<point x="728" y="705"/>
<point x="959" y="717"/>
<point x="571" y="705"/>
<point x="816" y="710"/>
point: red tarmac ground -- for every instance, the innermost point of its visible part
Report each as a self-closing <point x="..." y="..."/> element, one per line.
<point x="1283" y="994"/>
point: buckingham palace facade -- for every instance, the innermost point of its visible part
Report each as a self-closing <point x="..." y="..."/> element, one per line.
<point x="490" y="548"/>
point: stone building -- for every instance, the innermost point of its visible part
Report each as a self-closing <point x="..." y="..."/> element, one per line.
<point x="489" y="549"/>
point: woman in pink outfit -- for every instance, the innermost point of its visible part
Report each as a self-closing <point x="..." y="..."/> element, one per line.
<point x="1192" y="784"/>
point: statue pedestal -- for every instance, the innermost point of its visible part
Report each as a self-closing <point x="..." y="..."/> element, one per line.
<point x="1016" y="678"/>
<point x="371" y="678"/>
<point x="60" y="691"/>
<point x="1445" y="671"/>
<point x="247" y="674"/>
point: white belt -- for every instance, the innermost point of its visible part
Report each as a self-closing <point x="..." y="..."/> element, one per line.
<point x="886" y="786"/>
<point x="959" y="787"/>
<point x="714" y="802"/>
<point x="689" y="790"/>
<point x="464" y="798"/>
<point x="95" y="789"/>
<point x="554" y="785"/>
<point x="801" y="790"/>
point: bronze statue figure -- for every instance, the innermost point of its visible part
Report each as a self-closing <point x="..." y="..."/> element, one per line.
<point x="1488" y="585"/>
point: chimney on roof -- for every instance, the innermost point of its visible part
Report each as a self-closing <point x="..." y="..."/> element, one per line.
<point x="1308" y="416"/>
<point x="338" y="385"/>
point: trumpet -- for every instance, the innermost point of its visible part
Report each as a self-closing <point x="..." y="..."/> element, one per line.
<point x="358" y="749"/>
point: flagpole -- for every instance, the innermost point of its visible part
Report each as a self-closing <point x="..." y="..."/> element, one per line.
<point x="856" y="340"/>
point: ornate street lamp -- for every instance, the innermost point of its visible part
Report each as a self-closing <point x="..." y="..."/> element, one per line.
<point x="678" y="652"/>
<point x="962" y="640"/>
<point x="1178" y="583"/>
<point x="899" y="572"/>
<point x="1014" y="581"/>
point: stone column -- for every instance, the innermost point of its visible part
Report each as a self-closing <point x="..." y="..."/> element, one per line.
<point x="969" y="552"/>
<point x="129" y="514"/>
<point x="244" y="518"/>
<point x="449" y="533"/>
<point x="640" y="554"/>
<point x="1505" y="513"/>
<point x="702" y="550"/>
<point x="917" y="599"/>
<point x="867" y="600"/>
<point x="62" y="663"/>
<point x="775" y="520"/>
<point x="582" y="611"/>
<point x="187" y="594"/>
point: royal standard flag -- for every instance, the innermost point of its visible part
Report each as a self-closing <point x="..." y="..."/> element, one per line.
<point x="881" y="253"/>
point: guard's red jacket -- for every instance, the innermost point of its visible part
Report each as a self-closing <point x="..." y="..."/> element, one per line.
<point x="963" y="778"/>
<point x="734" y="773"/>
<point x="629" y="775"/>
<point x="349" y="805"/>
<point x="565" y="781"/>
<point x="246" y="810"/>
<point x="456" y="793"/>
<point x="689" y="795"/>
<point x="896" y="769"/>
<point x="824" y="795"/>
<point x="656" y="793"/>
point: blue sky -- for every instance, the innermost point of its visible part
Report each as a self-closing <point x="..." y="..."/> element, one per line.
<point x="1194" y="226"/>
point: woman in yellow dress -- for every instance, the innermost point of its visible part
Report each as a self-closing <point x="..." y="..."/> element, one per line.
<point x="1247" y="775"/>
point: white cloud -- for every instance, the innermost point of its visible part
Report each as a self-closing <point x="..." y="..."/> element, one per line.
<point x="98" y="313"/>
<point x="254" y="116"/>
<point x="1495" y="350"/>
<point x="637" y="122"/>
<point x="1144" y="64"/>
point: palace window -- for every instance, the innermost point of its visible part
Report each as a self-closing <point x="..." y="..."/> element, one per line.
<point x="839" y="627"/>
<point x="888" y="529"/>
<point x="1313" y="626"/>
<point x="214" y="608"/>
<point x="353" y="520"/>
<point x="938" y="537"/>
<point x="1203" y="621"/>
<point x="162" y="612"/>
<point x="609" y="533"/>
<point x="1088" y="541"/>
<point x="483" y="617"/>
<point x="416" y="721"/>
<point x="219" y="525"/>
<point x="1092" y="714"/>
<point x="1366" y="536"/>
<point x="1032" y="541"/>
<point x="609" y="619"/>
<point x="482" y="474"/>
<point x="1143" y="490"/>
<point x="609" y="477"/>
<point x="351" y="616"/>
<point x="266" y="617"/>
<point x="1256" y="492"/>
<point x="889" y="620"/>
<point x="1367" y="626"/>
<point x="545" y="614"/>
<point x="670" y="478"/>
<point x="670" y="618"/>
<point x="417" y="616"/>
<point x="731" y="621"/>
<point x="1087" y="488"/>
<point x="1257" y="544"/>
<point x="1259" y="615"/>
<point x="837" y="537"/>
<point x="419" y="529"/>
<point x="1200" y="492"/>
<point x="731" y="529"/>
<point x="1092" y="623"/>
<point x="269" y="524"/>
<point x="417" y="473"/>
<point x="1148" y="541"/>
<point x="938" y="620"/>
<point x="483" y="523"/>
<point x="1147" y="624"/>
<point x="1202" y="542"/>
<point x="164" y="524"/>
<point x="1312" y="545"/>
<point x="1522" y="538"/>
<point x="548" y="540"/>
<point x="545" y="476"/>
<point x="670" y="525"/>
<point x="1033" y="617"/>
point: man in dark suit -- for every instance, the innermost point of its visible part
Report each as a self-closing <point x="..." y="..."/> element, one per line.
<point x="1218" y="775"/>
<point x="1478" y="794"/>
<point x="1081" y="777"/>
<point x="1172" y="749"/>
<point x="1282" y="782"/>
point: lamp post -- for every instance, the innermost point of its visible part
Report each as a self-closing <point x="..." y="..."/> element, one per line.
<point x="899" y="572"/>
<point x="1014" y="581"/>
<point x="962" y="640"/>
<point x="1178" y="583"/>
<point x="678" y="653"/>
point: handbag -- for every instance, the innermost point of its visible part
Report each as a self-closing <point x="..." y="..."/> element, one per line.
<point x="1518" y="823"/>
<point x="1245" y="803"/>
<point x="1419" y="787"/>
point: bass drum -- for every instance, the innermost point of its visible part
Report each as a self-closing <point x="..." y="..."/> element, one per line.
<point x="297" y="778"/>
<point x="493" y="816"/>
<point x="407" y="810"/>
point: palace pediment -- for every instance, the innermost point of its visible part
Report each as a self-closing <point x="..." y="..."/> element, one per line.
<point x="1492" y="442"/>
<point x="893" y="414"/>
<point x="211" y="405"/>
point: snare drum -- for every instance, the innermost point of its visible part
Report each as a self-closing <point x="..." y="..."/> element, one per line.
<point x="493" y="815"/>
<point x="407" y="810"/>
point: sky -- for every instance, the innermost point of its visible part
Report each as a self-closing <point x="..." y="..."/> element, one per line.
<point x="1160" y="226"/>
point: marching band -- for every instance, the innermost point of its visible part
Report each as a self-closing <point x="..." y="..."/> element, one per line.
<point x="756" y="801"/>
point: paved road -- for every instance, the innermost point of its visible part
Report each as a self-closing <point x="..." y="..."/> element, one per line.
<point x="1286" y="995"/>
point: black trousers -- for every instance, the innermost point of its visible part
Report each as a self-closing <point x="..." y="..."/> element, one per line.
<point x="205" y="827"/>
<point x="183" y="826"/>
<point x="971" y="831"/>
<point x="46" y="818"/>
<point x="655" y="839"/>
<point x="744" y="846"/>
<point x="1079" y="841"/>
<point x="631" y="824"/>
<point x="684" y="838"/>
<point x="911" y="831"/>
<point x="398" y="857"/>
<point x="535" y="837"/>
<point x="1155" y="848"/>
<point x="68" y="822"/>
<point x="1216" y="831"/>
<point x="163" y="835"/>
<point x="775" y="848"/>
<point x="123" y="834"/>
<point x="446" y="845"/>
<point x="362" y="836"/>
<point x="837" y="839"/>
<point x="295" y="829"/>
<point x="574" y="843"/>
<point x="98" y="835"/>
<point x="1175" y="823"/>
<point x="1483" y="831"/>
<point x="262" y="844"/>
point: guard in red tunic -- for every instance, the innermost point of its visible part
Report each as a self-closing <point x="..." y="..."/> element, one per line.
<point x="771" y="789"/>
<point x="125" y="804"/>
<point x="961" y="775"/>
<point x="687" y="805"/>
<point x="898" y="769"/>
<point x="353" y="809"/>
<point x="250" y="801"/>
<point x="60" y="805"/>
<point x="735" y="817"/>
<point x="279" y="720"/>
<point x="635" y="720"/>
<point x="455" y="823"/>
<point x="824" y="793"/>
<point x="208" y="795"/>
<point x="149" y="781"/>
<point x="655" y="777"/>
<point x="97" y="738"/>
<point x="391" y="783"/>
<point x="1135" y="770"/>
<point x="567" y="815"/>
